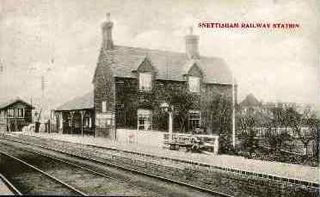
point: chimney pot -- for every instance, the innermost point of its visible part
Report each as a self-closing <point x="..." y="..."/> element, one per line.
<point x="106" y="26"/>
<point x="192" y="45"/>
<point x="108" y="16"/>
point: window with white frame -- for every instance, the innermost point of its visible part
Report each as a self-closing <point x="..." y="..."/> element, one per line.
<point x="145" y="81"/>
<point x="194" y="119"/>
<point x="194" y="84"/>
<point x="10" y="112"/>
<point x="20" y="112"/>
<point x="104" y="107"/>
<point x="144" y="119"/>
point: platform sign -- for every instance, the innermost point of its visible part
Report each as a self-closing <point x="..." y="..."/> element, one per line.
<point x="104" y="120"/>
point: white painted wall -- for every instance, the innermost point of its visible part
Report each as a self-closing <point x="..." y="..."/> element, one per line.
<point x="148" y="138"/>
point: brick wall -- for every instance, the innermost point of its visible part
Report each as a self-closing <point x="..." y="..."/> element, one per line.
<point x="129" y="99"/>
<point x="104" y="88"/>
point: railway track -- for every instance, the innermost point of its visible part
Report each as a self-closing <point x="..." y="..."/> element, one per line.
<point x="18" y="170"/>
<point x="132" y="154"/>
<point x="87" y="173"/>
<point x="12" y="190"/>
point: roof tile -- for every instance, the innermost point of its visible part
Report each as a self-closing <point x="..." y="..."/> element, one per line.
<point x="168" y="65"/>
<point x="83" y="102"/>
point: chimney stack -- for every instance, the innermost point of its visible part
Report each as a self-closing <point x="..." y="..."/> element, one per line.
<point x="106" y="27"/>
<point x="192" y="49"/>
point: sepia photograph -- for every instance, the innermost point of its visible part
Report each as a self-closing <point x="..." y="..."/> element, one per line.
<point x="160" y="98"/>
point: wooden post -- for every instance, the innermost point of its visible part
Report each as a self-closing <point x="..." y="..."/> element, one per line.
<point x="82" y="113"/>
<point x="61" y="123"/>
<point x="15" y="124"/>
<point x="170" y="125"/>
<point x="71" y="115"/>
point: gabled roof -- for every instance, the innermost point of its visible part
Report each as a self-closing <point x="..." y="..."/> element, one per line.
<point x="8" y="103"/>
<point x="83" y="102"/>
<point x="250" y="101"/>
<point x="145" y="66"/>
<point x="168" y="65"/>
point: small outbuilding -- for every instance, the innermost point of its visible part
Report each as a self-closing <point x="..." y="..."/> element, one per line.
<point x="76" y="116"/>
<point x="15" y="114"/>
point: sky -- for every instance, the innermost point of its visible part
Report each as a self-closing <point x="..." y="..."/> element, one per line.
<point x="61" y="39"/>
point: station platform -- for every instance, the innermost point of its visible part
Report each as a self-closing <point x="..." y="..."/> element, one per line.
<point x="285" y="170"/>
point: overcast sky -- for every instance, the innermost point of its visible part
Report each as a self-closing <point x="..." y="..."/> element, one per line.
<point x="60" y="39"/>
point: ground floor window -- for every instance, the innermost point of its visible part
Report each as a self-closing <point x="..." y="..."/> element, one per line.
<point x="144" y="119"/>
<point x="194" y="119"/>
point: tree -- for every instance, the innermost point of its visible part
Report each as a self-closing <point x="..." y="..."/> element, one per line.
<point x="218" y="110"/>
<point x="175" y="95"/>
<point x="276" y="125"/>
<point x="305" y="126"/>
<point x="183" y="101"/>
<point x="247" y="128"/>
<point x="313" y="124"/>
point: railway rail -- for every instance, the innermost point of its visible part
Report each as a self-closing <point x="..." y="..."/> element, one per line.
<point x="126" y="160"/>
<point x="12" y="189"/>
<point x="83" y="167"/>
<point x="270" y="177"/>
<point x="49" y="182"/>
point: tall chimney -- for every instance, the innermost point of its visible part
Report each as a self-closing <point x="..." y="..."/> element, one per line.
<point x="106" y="27"/>
<point x="192" y="45"/>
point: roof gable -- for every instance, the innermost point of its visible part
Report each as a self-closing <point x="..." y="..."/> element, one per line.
<point x="250" y="101"/>
<point x="9" y="103"/>
<point x="83" y="102"/>
<point x="146" y="66"/>
<point x="195" y="70"/>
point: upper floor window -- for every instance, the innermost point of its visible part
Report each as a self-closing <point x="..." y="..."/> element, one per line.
<point x="20" y="112"/>
<point x="104" y="107"/>
<point x="145" y="81"/>
<point x="194" y="84"/>
<point x="10" y="112"/>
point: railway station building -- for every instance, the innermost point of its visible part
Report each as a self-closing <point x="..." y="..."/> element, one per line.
<point x="131" y="84"/>
<point x="76" y="116"/>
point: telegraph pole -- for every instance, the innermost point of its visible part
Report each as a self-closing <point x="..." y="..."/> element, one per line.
<point x="233" y="115"/>
<point x="1" y="66"/>
<point x="42" y="86"/>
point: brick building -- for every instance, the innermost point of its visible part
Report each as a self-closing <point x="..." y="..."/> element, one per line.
<point x="15" y="114"/>
<point x="131" y="83"/>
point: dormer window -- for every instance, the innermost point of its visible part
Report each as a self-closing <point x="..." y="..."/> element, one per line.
<point x="145" y="81"/>
<point x="194" y="84"/>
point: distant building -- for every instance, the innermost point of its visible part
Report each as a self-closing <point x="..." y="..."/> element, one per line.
<point x="76" y="116"/>
<point x="15" y="114"/>
<point x="250" y="105"/>
<point x="130" y="84"/>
